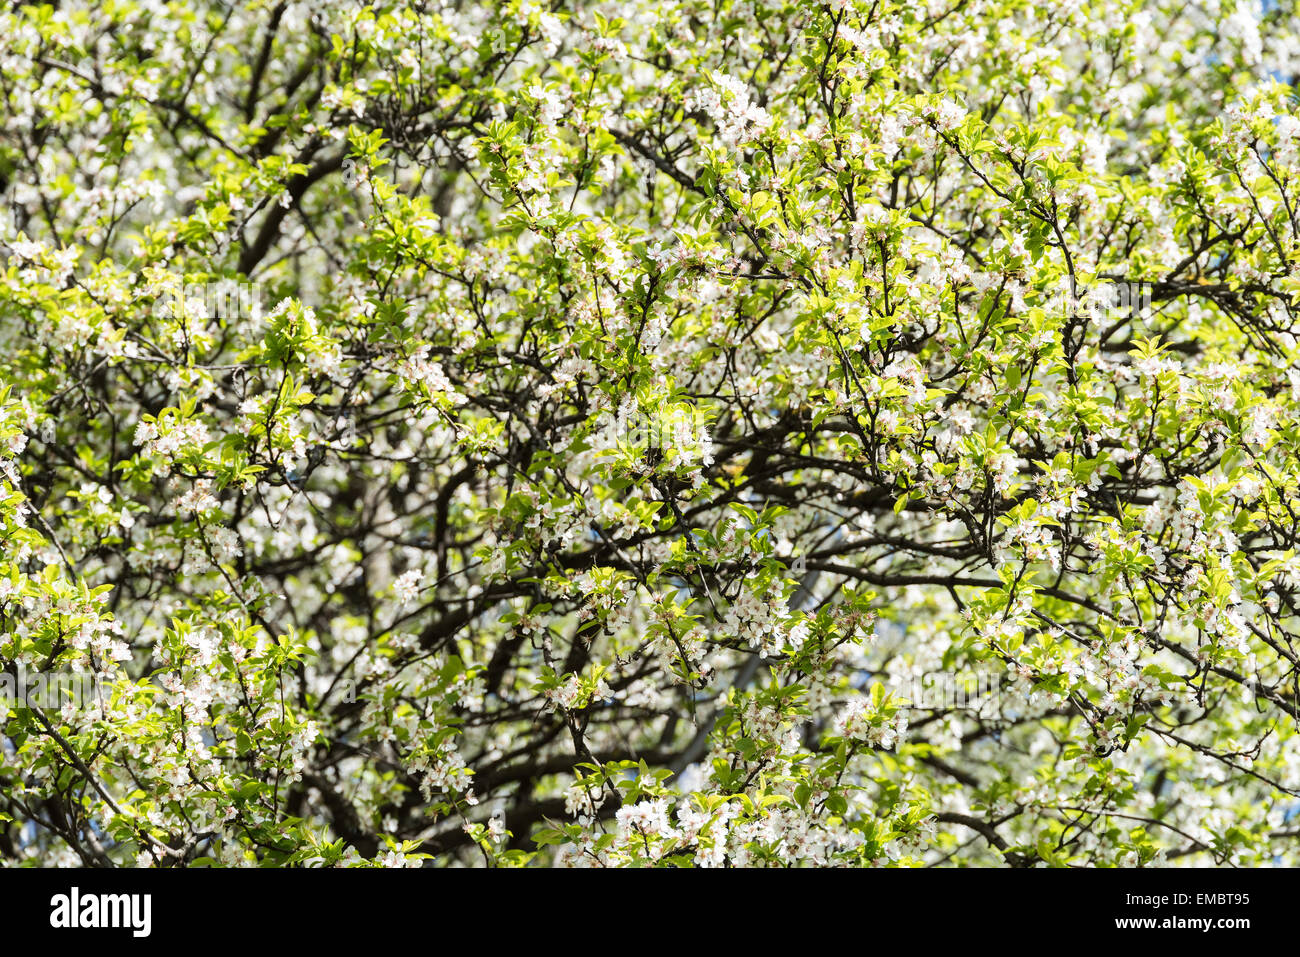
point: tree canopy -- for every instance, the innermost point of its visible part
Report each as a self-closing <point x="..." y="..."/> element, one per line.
<point x="665" y="432"/>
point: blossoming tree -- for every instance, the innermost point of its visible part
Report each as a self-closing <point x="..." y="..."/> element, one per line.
<point x="620" y="433"/>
